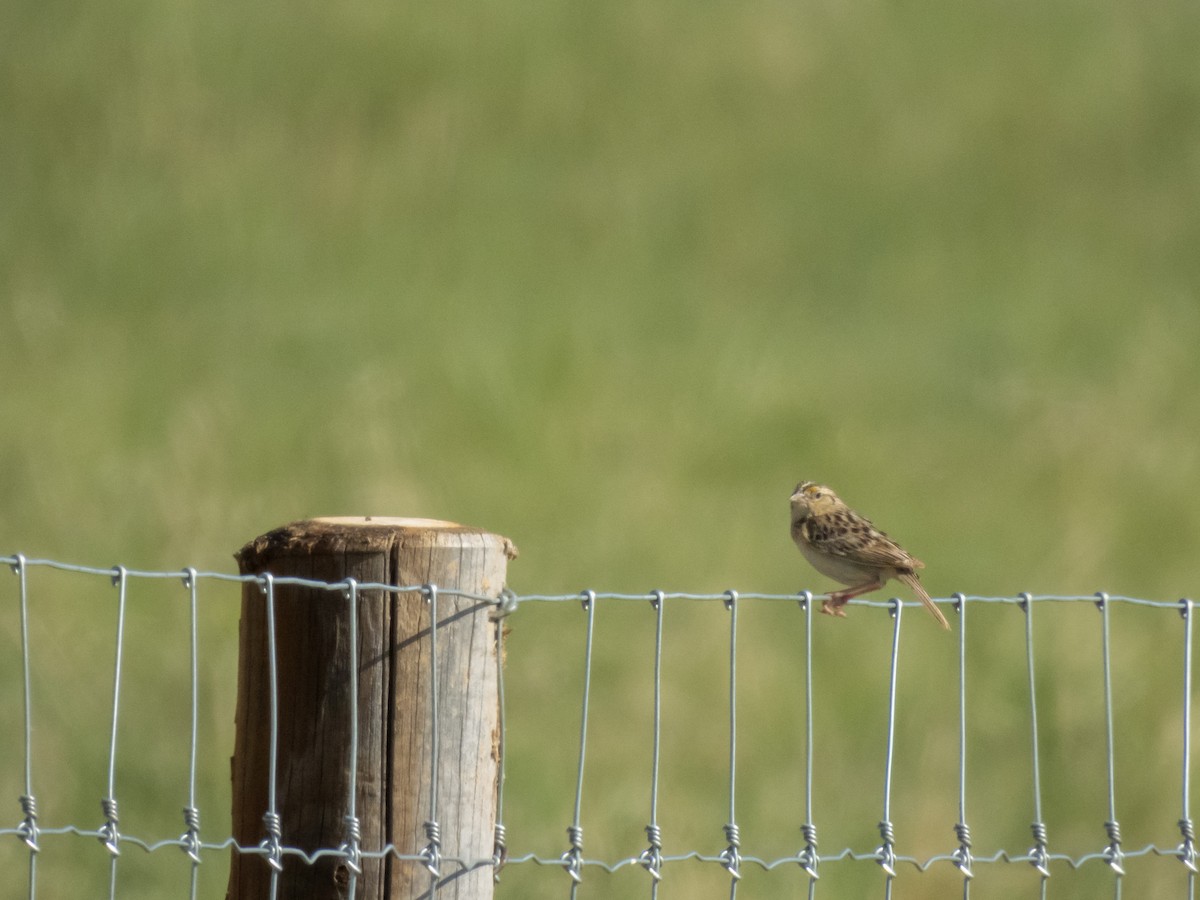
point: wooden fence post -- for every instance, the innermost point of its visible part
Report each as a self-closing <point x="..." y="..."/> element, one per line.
<point x="395" y="738"/>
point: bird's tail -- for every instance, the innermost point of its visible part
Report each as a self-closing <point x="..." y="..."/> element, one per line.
<point x="911" y="579"/>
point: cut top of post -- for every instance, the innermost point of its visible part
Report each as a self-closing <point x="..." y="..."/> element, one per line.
<point x="359" y="534"/>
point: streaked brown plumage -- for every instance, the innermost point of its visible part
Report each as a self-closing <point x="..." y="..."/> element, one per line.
<point x="844" y="546"/>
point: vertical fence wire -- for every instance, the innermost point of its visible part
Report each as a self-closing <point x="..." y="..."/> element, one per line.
<point x="28" y="830"/>
<point x="1038" y="855"/>
<point x="271" y="845"/>
<point x="651" y="857"/>
<point x="885" y="855"/>
<point x="351" y="845"/>
<point x="962" y="856"/>
<point x="432" y="853"/>
<point x="809" y="859"/>
<point x="1112" y="852"/>
<point x="573" y="858"/>
<point x="1187" y="850"/>
<point x="731" y="856"/>
<point x="190" y="839"/>
<point x="110" y="834"/>
<point x="500" y="833"/>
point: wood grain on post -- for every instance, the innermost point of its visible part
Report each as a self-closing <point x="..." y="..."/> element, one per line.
<point x="395" y="739"/>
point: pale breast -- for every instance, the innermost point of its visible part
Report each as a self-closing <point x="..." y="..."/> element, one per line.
<point x="838" y="568"/>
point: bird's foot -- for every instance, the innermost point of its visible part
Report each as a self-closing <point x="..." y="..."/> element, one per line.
<point x="832" y="606"/>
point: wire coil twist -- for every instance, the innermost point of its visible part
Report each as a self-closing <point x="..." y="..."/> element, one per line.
<point x="731" y="856"/>
<point x="1113" y="854"/>
<point x="190" y="839"/>
<point x="962" y="856"/>
<point x="574" y="857"/>
<point x="651" y="857"/>
<point x="1038" y="856"/>
<point x="351" y="846"/>
<point x="272" y="846"/>
<point x="431" y="855"/>
<point x="809" y="860"/>
<point x="1187" y="850"/>
<point x="110" y="835"/>
<point x="499" y="847"/>
<point x="28" y="829"/>
<point x="885" y="855"/>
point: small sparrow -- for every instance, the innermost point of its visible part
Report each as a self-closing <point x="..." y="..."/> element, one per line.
<point x="844" y="546"/>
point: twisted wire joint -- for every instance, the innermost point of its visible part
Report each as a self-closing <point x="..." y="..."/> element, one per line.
<point x="651" y="857"/>
<point x="110" y="836"/>
<point x="808" y="856"/>
<point x="191" y="837"/>
<point x="1113" y="854"/>
<point x="432" y="854"/>
<point x="506" y="604"/>
<point x="731" y="856"/>
<point x="962" y="856"/>
<point x="271" y="846"/>
<point x="1187" y="850"/>
<point x="499" y="850"/>
<point x="28" y="829"/>
<point x="350" y="847"/>
<point x="574" y="857"/>
<point x="885" y="855"/>
<point x="1038" y="857"/>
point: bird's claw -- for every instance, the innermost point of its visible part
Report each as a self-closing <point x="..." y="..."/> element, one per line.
<point x="832" y="606"/>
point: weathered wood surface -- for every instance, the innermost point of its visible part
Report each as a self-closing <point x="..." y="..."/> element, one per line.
<point x="395" y="739"/>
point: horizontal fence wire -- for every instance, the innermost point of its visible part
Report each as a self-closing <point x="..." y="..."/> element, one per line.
<point x="653" y="860"/>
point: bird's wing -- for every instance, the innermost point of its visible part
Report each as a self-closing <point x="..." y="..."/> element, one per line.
<point x="849" y="535"/>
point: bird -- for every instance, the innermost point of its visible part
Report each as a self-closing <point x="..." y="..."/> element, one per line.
<point x="845" y="546"/>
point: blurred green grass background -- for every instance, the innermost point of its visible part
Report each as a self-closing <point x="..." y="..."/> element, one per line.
<point x="609" y="281"/>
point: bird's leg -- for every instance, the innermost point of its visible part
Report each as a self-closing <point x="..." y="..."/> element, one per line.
<point x="832" y="606"/>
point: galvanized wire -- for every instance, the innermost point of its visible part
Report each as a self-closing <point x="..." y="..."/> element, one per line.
<point x="886" y="854"/>
<point x="1187" y="850"/>
<point x="110" y="834"/>
<point x="272" y="844"/>
<point x="652" y="856"/>
<point x="731" y="856"/>
<point x="28" y="829"/>
<point x="809" y="859"/>
<point x="191" y="813"/>
<point x="572" y="859"/>
<point x="433" y="832"/>
<point x="1112" y="851"/>
<point x="733" y="860"/>
<point x="962" y="856"/>
<point x="351" y="845"/>
<point x="500" y="831"/>
<point x="1038" y="855"/>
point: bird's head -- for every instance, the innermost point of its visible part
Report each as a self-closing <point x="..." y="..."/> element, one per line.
<point x="812" y="499"/>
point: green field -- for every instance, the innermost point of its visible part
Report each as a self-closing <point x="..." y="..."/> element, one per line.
<point x="609" y="281"/>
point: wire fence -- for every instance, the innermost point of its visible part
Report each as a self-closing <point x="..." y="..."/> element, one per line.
<point x="654" y="860"/>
